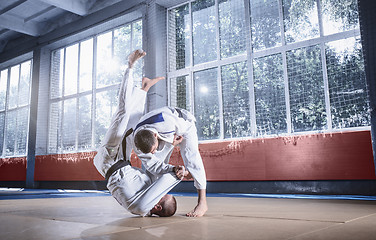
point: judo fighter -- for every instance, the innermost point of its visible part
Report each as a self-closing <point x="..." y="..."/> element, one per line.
<point x="136" y="190"/>
<point x="156" y="135"/>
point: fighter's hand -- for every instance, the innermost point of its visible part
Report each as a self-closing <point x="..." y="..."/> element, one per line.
<point x="177" y="140"/>
<point x="147" y="83"/>
<point x="180" y="172"/>
<point x="187" y="175"/>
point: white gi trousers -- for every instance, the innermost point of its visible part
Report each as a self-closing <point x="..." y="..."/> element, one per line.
<point x="133" y="188"/>
<point x="167" y="122"/>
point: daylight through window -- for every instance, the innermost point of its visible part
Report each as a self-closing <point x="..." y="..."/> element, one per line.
<point x="254" y="68"/>
<point x="15" y="84"/>
<point x="85" y="78"/>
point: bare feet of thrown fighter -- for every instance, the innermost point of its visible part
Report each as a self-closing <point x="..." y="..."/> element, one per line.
<point x="147" y="83"/>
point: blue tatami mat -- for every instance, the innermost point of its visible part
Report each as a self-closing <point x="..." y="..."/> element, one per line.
<point x="21" y="193"/>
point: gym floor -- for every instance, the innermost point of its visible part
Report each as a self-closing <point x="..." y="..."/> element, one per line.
<point x="62" y="214"/>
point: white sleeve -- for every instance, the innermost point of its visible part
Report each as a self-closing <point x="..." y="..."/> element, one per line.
<point x="156" y="163"/>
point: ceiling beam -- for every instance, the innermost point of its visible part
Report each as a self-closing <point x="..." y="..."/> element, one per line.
<point x="16" y="24"/>
<point x="79" y="7"/>
<point x="10" y="7"/>
<point x="39" y="13"/>
<point x="3" y="43"/>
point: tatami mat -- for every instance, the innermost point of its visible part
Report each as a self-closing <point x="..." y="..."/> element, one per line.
<point x="96" y="215"/>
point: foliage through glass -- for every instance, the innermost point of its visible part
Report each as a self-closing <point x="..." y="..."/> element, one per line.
<point x="291" y="68"/>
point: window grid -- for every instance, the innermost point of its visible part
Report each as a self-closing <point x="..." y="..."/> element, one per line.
<point x="14" y="116"/>
<point x="320" y="39"/>
<point x="75" y="120"/>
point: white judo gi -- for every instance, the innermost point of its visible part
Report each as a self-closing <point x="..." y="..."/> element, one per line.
<point x="135" y="189"/>
<point x="167" y="122"/>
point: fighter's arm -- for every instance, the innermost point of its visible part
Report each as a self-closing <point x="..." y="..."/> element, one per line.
<point x="154" y="163"/>
<point x="157" y="163"/>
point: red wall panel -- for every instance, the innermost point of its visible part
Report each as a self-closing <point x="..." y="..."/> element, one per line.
<point x="336" y="156"/>
<point x="69" y="167"/>
<point x="13" y="169"/>
<point x="66" y="167"/>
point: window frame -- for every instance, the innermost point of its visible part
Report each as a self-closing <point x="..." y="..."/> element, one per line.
<point x="110" y="26"/>
<point x="249" y="56"/>
<point x="7" y="110"/>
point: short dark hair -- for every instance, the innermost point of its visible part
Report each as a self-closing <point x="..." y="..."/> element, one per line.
<point x="168" y="207"/>
<point x="144" y="140"/>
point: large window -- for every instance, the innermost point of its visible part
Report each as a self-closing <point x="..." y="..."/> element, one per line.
<point x="15" y="84"/>
<point x="85" y="79"/>
<point x="253" y="68"/>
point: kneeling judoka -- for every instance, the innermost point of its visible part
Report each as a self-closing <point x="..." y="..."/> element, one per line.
<point x="138" y="191"/>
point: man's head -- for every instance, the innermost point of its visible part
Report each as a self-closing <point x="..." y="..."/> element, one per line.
<point x="166" y="207"/>
<point x="146" y="141"/>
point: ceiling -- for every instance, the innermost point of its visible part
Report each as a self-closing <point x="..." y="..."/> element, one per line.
<point x="23" y="20"/>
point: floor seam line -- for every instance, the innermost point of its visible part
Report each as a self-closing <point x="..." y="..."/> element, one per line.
<point x="290" y="219"/>
<point x="187" y="220"/>
<point x="355" y="219"/>
<point x="317" y="230"/>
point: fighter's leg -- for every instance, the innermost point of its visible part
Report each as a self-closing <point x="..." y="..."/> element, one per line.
<point x="126" y="103"/>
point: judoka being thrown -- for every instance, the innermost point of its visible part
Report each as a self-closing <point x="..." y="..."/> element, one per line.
<point x="136" y="190"/>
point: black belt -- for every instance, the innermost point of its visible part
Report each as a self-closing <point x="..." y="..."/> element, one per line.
<point x="121" y="163"/>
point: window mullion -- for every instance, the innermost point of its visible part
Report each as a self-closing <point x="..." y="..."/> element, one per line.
<point x="220" y="103"/>
<point x="132" y="33"/>
<point x="190" y="35"/>
<point x="287" y="93"/>
<point x="169" y="97"/>
<point x="324" y="70"/>
<point x="219" y="88"/>
<point x="17" y="109"/>
<point x="78" y="96"/>
<point x="326" y="87"/>
<point x="94" y="92"/>
<point x="252" y="99"/>
<point x="217" y="30"/>
<point x="60" y="138"/>
<point x="190" y="67"/>
<point x="190" y="93"/>
<point x="285" y="73"/>
<point x="6" y="112"/>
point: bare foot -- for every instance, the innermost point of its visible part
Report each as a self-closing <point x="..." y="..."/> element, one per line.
<point x="198" y="211"/>
<point x="134" y="56"/>
<point x="147" y="83"/>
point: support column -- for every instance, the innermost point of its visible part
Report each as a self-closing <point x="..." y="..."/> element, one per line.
<point x="155" y="44"/>
<point x="367" y="9"/>
<point x="30" y="165"/>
